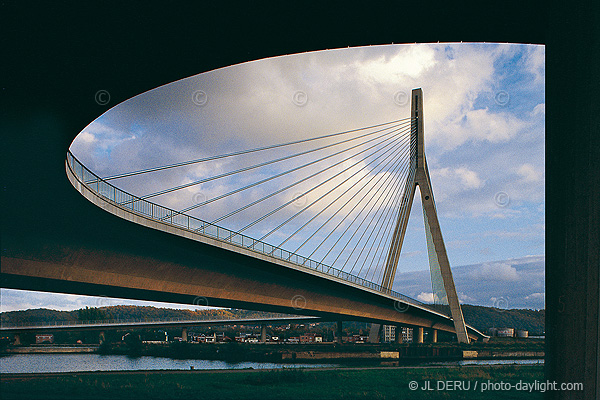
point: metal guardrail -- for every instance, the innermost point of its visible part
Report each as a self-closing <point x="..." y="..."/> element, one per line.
<point x="101" y="322"/>
<point x="134" y="204"/>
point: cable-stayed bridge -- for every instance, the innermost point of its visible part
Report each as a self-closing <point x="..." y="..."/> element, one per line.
<point x="313" y="226"/>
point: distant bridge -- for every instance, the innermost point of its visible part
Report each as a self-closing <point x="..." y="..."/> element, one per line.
<point x="159" y="323"/>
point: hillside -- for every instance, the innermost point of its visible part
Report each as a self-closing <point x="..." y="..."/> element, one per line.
<point x="479" y="317"/>
<point x="40" y="315"/>
<point x="483" y="318"/>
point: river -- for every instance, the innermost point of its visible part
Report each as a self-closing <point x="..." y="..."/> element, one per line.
<point x="41" y="363"/>
<point x="44" y="363"/>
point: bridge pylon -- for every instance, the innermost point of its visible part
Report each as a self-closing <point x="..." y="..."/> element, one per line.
<point x="444" y="291"/>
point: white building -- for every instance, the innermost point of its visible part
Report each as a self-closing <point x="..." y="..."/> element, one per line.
<point x="389" y="334"/>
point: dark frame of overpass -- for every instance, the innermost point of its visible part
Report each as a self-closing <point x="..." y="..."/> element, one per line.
<point x="57" y="56"/>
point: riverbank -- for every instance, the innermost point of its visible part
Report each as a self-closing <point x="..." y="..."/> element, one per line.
<point x="331" y="352"/>
<point x="349" y="383"/>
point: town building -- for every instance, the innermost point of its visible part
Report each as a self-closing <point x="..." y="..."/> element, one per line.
<point x="506" y="332"/>
<point x="389" y="334"/>
<point x="311" y="338"/>
<point x="45" y="338"/>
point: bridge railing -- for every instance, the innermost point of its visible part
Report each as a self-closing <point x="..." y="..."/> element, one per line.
<point x="135" y="204"/>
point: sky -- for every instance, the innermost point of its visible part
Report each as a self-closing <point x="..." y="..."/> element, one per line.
<point x="484" y="110"/>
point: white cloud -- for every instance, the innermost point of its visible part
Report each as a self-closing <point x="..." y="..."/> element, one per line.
<point x="478" y="283"/>
<point x="15" y="300"/>
<point x="462" y="177"/>
<point x="412" y="63"/>
<point x="425" y="297"/>
<point x="540" y="109"/>
<point x="529" y="173"/>
<point x="496" y="271"/>
<point x="87" y="137"/>
<point x="478" y="125"/>
<point x="536" y="296"/>
<point x="463" y="298"/>
<point x="536" y="63"/>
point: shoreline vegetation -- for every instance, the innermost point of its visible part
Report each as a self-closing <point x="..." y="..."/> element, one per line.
<point x="237" y="352"/>
<point x="480" y="317"/>
<point x="282" y="353"/>
<point x="346" y="383"/>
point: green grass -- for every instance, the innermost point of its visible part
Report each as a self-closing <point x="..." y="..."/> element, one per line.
<point x="390" y="383"/>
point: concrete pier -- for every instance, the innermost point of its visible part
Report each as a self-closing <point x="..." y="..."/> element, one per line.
<point x="419" y="335"/>
<point x="263" y="333"/>
<point x="338" y="336"/>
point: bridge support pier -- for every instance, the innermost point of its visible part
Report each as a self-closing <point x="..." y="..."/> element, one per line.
<point x="263" y="333"/>
<point x="434" y="335"/>
<point x="398" y="335"/>
<point x="184" y="336"/>
<point x="374" y="333"/>
<point x="17" y="341"/>
<point x="338" y="336"/>
<point x="101" y="337"/>
<point x="419" y="335"/>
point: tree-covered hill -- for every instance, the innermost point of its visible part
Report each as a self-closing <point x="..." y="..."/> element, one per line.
<point x="42" y="315"/>
<point x="479" y="317"/>
<point x="483" y="318"/>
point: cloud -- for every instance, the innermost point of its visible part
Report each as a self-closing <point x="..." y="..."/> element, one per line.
<point x="536" y="296"/>
<point x="463" y="298"/>
<point x="456" y="180"/>
<point x="536" y="63"/>
<point x="15" y="300"/>
<point x="540" y="109"/>
<point x="87" y="138"/>
<point x="477" y="125"/>
<point x="425" y="297"/>
<point x="496" y="271"/>
<point x="529" y="173"/>
<point x="476" y="145"/>
<point x="519" y="282"/>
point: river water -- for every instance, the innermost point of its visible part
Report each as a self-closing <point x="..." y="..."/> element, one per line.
<point x="40" y="363"/>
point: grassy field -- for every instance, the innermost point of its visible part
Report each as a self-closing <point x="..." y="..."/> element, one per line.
<point x="382" y="383"/>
